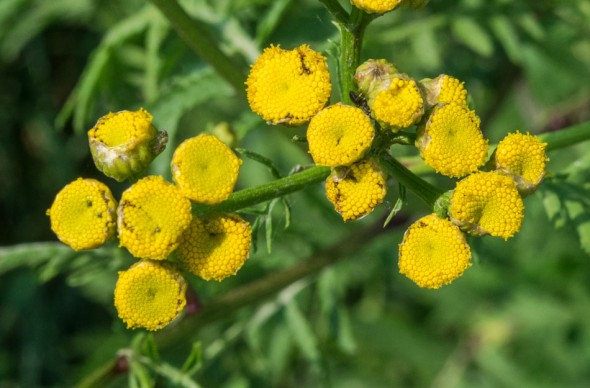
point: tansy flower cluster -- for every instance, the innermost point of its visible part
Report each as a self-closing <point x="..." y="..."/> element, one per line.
<point x="486" y="201"/>
<point x="153" y="219"/>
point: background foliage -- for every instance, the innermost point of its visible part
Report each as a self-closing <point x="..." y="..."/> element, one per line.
<point x="519" y="316"/>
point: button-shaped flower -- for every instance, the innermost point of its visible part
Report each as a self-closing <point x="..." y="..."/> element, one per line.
<point x="356" y="190"/>
<point x="205" y="169"/>
<point x="373" y="76"/>
<point x="153" y="214"/>
<point x="444" y="89"/>
<point x="487" y="203"/>
<point x="339" y="135"/>
<point x="451" y="141"/>
<point x="216" y="247"/>
<point x="83" y="214"/>
<point x="399" y="106"/>
<point x="149" y="295"/>
<point x="123" y="144"/>
<point x="433" y="252"/>
<point x="523" y="157"/>
<point x="288" y="86"/>
<point x="376" y="6"/>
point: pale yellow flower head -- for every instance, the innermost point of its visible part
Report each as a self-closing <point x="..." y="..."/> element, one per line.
<point x="451" y="141"/>
<point x="444" y="89"/>
<point x="433" y="252"/>
<point x="153" y="214"/>
<point x="123" y="144"/>
<point x="523" y="157"/>
<point x="217" y="247"/>
<point x="356" y="190"/>
<point x="288" y="86"/>
<point x="83" y="214"/>
<point x="376" y="6"/>
<point x="205" y="169"/>
<point x="487" y="203"/>
<point x="149" y="295"/>
<point x="339" y="135"/>
<point x="400" y="106"/>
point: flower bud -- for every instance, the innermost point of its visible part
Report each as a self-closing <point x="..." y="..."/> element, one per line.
<point x="376" y="6"/>
<point x="123" y="144"/>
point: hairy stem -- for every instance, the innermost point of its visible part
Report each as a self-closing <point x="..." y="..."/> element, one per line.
<point x="197" y="36"/>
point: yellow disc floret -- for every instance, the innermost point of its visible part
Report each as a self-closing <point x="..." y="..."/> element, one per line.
<point x="399" y="106"/>
<point x="451" y="141"/>
<point x="487" y="203"/>
<point x="339" y="135"/>
<point x="523" y="157"/>
<point x="444" y="89"/>
<point x="433" y="252"/>
<point x="205" y="169"/>
<point x="217" y="247"/>
<point x="357" y="190"/>
<point x="153" y="214"/>
<point x="123" y="144"/>
<point x="376" y="6"/>
<point x="83" y="214"/>
<point x="149" y="295"/>
<point x="288" y="86"/>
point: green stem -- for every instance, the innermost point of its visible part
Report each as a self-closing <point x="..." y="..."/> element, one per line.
<point x="258" y="194"/>
<point x="351" y="39"/>
<point x="567" y="137"/>
<point x="423" y="190"/>
<point x="197" y="36"/>
<point x="336" y="10"/>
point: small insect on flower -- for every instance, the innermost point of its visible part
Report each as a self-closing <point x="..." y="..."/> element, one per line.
<point x="83" y="214"/>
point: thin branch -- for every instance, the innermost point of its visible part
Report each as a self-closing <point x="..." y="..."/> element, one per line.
<point x="336" y="10"/>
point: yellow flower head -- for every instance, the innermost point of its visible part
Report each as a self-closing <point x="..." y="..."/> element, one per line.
<point x="451" y="141"/>
<point x="288" y="86"/>
<point x="149" y="295"/>
<point x="339" y="135"/>
<point x="433" y="252"/>
<point x="487" y="203"/>
<point x="399" y="106"/>
<point x="374" y="75"/>
<point x="523" y="157"/>
<point x="153" y="214"/>
<point x="356" y="191"/>
<point x="444" y="89"/>
<point x="83" y="214"/>
<point x="124" y="143"/>
<point x="205" y="169"/>
<point x="376" y="6"/>
<point x="217" y="247"/>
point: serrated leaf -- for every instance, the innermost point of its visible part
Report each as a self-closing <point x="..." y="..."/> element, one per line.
<point x="468" y="32"/>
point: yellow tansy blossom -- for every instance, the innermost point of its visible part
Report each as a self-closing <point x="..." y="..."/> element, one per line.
<point x="83" y="214"/>
<point x="339" y="135"/>
<point x="444" y="89"/>
<point x="217" y="247"/>
<point x="399" y="106"/>
<point x="125" y="143"/>
<point x="451" y="141"/>
<point x="487" y="203"/>
<point x="153" y="214"/>
<point x="357" y="190"/>
<point x="376" y="6"/>
<point x="523" y="157"/>
<point x="205" y="169"/>
<point x="433" y="252"/>
<point x="149" y="295"/>
<point x="288" y="86"/>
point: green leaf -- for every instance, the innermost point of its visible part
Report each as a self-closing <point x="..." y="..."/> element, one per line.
<point x="302" y="332"/>
<point x="194" y="361"/>
<point x="271" y="20"/>
<point x="468" y="32"/>
<point x="399" y="203"/>
<point x="260" y="159"/>
<point x="508" y="37"/>
<point x="346" y="340"/>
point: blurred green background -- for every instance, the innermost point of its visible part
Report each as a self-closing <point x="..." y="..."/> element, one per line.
<point x="519" y="317"/>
